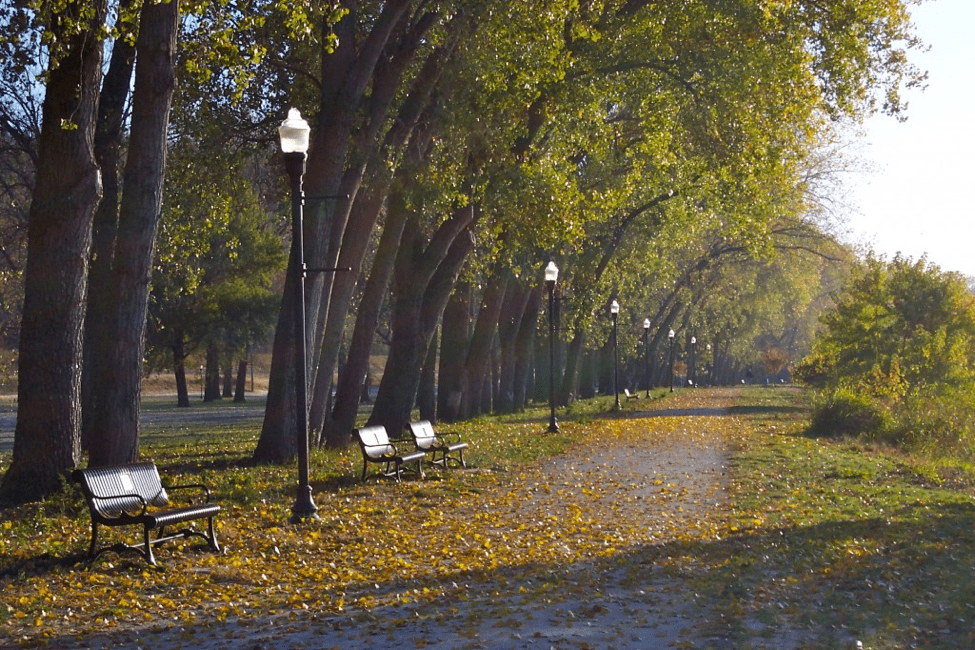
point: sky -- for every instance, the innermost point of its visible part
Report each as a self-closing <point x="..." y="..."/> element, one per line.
<point x="918" y="198"/>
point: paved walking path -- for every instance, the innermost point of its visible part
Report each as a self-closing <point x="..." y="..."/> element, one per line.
<point x="630" y="601"/>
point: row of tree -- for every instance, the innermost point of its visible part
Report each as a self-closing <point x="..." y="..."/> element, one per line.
<point x="665" y="151"/>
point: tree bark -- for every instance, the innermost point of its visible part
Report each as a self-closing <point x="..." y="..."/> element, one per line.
<point x="66" y="194"/>
<point x="512" y="315"/>
<point x="337" y="432"/>
<point x="108" y="143"/>
<point x="524" y="344"/>
<point x="476" y="367"/>
<point x="211" y="390"/>
<point x="426" y="398"/>
<point x="424" y="281"/>
<point x="179" y="370"/>
<point x="454" y="338"/>
<point x="241" y="385"/>
<point x="117" y="424"/>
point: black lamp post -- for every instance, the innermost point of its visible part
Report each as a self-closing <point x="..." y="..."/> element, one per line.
<point x="692" y="372"/>
<point x="614" y="309"/>
<point x="646" y="354"/>
<point x="294" y="133"/>
<point x="551" y="276"/>
<point x="670" y="335"/>
<point x="709" y="366"/>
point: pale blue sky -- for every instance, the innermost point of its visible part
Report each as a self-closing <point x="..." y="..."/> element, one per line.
<point x="919" y="199"/>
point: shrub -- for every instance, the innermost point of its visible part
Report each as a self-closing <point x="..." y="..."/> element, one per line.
<point x="847" y="414"/>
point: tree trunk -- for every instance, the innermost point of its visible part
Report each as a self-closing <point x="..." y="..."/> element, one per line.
<point x="241" y="381"/>
<point x="108" y="142"/>
<point x="211" y="391"/>
<point x="479" y="353"/>
<point x="66" y="193"/>
<point x="512" y="315"/>
<point x="179" y="369"/>
<point x="426" y="399"/>
<point x="419" y="304"/>
<point x="117" y="424"/>
<point x="524" y="344"/>
<point x="337" y="432"/>
<point x="454" y="338"/>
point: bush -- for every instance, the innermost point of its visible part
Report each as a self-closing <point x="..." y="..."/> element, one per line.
<point x="846" y="414"/>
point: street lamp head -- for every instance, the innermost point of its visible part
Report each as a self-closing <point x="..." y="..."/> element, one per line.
<point x="670" y="335"/>
<point x="693" y="340"/>
<point x="294" y="133"/>
<point x="646" y="323"/>
<point x="709" y="347"/>
<point x="614" y="308"/>
<point x="551" y="272"/>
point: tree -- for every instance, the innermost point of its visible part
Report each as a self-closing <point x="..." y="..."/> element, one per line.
<point x="66" y="193"/>
<point x="118" y="371"/>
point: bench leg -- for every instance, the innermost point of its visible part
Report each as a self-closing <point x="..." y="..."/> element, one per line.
<point x="147" y="548"/>
<point x="213" y="536"/>
<point x="94" y="538"/>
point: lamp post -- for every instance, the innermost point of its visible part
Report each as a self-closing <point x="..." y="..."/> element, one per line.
<point x="294" y="133"/>
<point x="646" y="354"/>
<point x="614" y="309"/>
<point x="692" y="372"/>
<point x="709" y="366"/>
<point x="551" y="276"/>
<point x="670" y="335"/>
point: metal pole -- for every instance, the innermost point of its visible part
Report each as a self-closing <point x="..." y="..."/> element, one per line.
<point x="304" y="508"/>
<point x="553" y="425"/>
<point x="672" y="364"/>
<point x="616" y="364"/>
<point x="646" y="358"/>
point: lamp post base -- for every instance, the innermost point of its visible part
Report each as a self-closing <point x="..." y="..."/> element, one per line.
<point x="553" y="425"/>
<point x="304" y="508"/>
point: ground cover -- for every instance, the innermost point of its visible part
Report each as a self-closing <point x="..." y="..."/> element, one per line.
<point x="706" y="519"/>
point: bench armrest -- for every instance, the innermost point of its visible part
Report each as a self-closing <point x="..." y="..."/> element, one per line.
<point x="145" y="504"/>
<point x="385" y="445"/>
<point x="198" y="486"/>
<point x="448" y="436"/>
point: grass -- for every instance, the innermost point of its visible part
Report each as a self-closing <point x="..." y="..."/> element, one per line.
<point x="816" y="543"/>
<point x="835" y="541"/>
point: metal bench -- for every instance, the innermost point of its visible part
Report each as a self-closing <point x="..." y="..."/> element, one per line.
<point x="378" y="448"/>
<point x="133" y="495"/>
<point x="629" y="395"/>
<point x="443" y="448"/>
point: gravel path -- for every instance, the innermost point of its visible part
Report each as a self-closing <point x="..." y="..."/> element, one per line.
<point x="631" y="601"/>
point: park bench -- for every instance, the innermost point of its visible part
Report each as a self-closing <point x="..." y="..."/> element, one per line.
<point x="378" y="448"/>
<point x="133" y="495"/>
<point x="443" y="448"/>
<point x="629" y="395"/>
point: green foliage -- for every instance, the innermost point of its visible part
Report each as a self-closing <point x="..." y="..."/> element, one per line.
<point x="847" y="414"/>
<point x="902" y="334"/>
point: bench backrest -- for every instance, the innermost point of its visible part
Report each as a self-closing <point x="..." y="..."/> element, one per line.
<point x="423" y="434"/>
<point x="375" y="441"/>
<point x="115" y="489"/>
